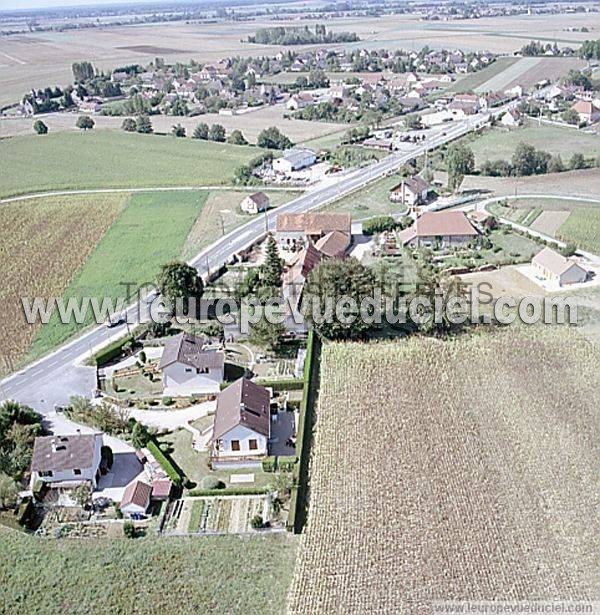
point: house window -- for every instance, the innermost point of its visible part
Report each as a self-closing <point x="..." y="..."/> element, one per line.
<point x="188" y="370"/>
<point x="47" y="473"/>
<point x="235" y="445"/>
<point x="77" y="472"/>
<point x="253" y="445"/>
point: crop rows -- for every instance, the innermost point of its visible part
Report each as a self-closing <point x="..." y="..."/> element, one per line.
<point x="44" y="243"/>
<point x="453" y="470"/>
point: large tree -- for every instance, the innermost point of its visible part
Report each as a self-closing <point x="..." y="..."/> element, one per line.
<point x="273" y="138"/>
<point x="84" y="122"/>
<point x="526" y="160"/>
<point x="272" y="269"/>
<point x="143" y="124"/>
<point x="332" y="281"/>
<point x="460" y="161"/>
<point x="129" y="125"/>
<point x="216" y="133"/>
<point x="201" y="131"/>
<point x="237" y="138"/>
<point x="178" y="280"/>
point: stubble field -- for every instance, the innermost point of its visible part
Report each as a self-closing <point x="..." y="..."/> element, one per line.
<point x="453" y="470"/>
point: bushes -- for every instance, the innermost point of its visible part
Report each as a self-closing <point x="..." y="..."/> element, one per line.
<point x="287" y="463"/>
<point x="379" y="225"/>
<point x="174" y="476"/>
<point x="110" y="352"/>
<point x="129" y="529"/>
<point x="211" y="483"/>
<point x="228" y="491"/>
<point x="106" y="455"/>
<point x="256" y="522"/>
<point x="285" y="384"/>
<point x="269" y="464"/>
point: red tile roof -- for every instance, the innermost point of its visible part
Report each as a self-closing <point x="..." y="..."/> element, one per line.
<point x="441" y="223"/>
<point x="138" y="493"/>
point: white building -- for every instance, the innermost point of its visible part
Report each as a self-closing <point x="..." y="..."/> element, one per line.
<point x="294" y="160"/>
<point x="242" y="424"/>
<point x="255" y="203"/>
<point x="67" y="461"/>
<point x="299" y="101"/>
<point x="136" y="498"/>
<point x="554" y="267"/>
<point x="511" y="118"/>
<point x="189" y="365"/>
<point x="411" y="191"/>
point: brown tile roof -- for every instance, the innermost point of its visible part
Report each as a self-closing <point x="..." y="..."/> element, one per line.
<point x="553" y="261"/>
<point x="138" y="493"/>
<point x="333" y="244"/>
<point x="441" y="223"/>
<point x="161" y="488"/>
<point x="243" y="403"/>
<point x="58" y="453"/>
<point x="314" y="224"/>
<point x="260" y="198"/>
<point x="585" y="106"/>
<point x="415" y="184"/>
<point x="189" y="349"/>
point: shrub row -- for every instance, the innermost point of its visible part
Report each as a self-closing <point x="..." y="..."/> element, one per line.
<point x="284" y="384"/>
<point x="166" y="464"/>
<point x="285" y="463"/>
<point x="229" y="491"/>
<point x="114" y="349"/>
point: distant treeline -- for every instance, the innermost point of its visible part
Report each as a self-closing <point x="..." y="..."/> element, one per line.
<point x="301" y="36"/>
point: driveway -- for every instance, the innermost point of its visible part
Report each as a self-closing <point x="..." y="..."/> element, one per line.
<point x="172" y="419"/>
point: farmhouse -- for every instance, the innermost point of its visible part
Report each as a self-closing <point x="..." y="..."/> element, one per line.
<point x="189" y="366"/>
<point x="554" y="267"/>
<point x="587" y="111"/>
<point x="299" y="101"/>
<point x="511" y="118"/>
<point x="294" y="160"/>
<point x="293" y="230"/>
<point x="411" y="191"/>
<point x="333" y="244"/>
<point x="255" y="203"/>
<point x="136" y="498"/>
<point x="67" y="461"/>
<point x="439" y="228"/>
<point x="242" y="424"/>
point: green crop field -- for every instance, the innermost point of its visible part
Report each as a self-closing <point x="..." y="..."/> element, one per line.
<point x="582" y="228"/>
<point x="500" y="143"/>
<point x="151" y="230"/>
<point x="145" y="575"/>
<point x="107" y="159"/>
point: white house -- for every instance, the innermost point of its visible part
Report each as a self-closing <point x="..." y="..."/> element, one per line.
<point x="255" y="203"/>
<point x="587" y="111"/>
<point x="136" y="498"/>
<point x="67" y="461"/>
<point x="554" y="267"/>
<point x="439" y="228"/>
<point x="511" y="118"/>
<point x="294" y="160"/>
<point x="299" y="101"/>
<point x="411" y="191"/>
<point x="242" y="424"/>
<point x="189" y="365"/>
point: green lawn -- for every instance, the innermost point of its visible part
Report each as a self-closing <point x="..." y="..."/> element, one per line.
<point x="582" y="228"/>
<point x="370" y="201"/>
<point x="146" y="575"/>
<point x="109" y="159"/>
<point x="150" y="231"/>
<point x="500" y="143"/>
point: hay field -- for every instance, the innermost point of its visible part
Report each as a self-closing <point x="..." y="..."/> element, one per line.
<point x="41" y="59"/>
<point x="251" y="124"/>
<point x="44" y="243"/>
<point x="106" y="159"/>
<point x="582" y="228"/>
<point x="453" y="470"/>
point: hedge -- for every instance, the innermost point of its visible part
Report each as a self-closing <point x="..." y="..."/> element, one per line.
<point x="165" y="463"/>
<point x="285" y="463"/>
<point x="114" y="349"/>
<point x="269" y="464"/>
<point x="228" y="491"/>
<point x="283" y="384"/>
<point x="299" y="495"/>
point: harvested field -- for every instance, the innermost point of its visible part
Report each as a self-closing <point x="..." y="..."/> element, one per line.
<point x="44" y="243"/>
<point x="583" y="184"/>
<point x="251" y="124"/>
<point x="474" y="81"/>
<point x="153" y="50"/>
<point x="41" y="59"/>
<point x="548" y="222"/>
<point x="453" y="470"/>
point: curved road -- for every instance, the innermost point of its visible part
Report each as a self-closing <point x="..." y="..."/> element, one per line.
<point x="54" y="378"/>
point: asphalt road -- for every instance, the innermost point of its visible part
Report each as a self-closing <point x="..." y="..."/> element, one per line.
<point x="54" y="378"/>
